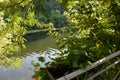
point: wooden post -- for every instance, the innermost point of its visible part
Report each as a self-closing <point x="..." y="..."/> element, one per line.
<point x="49" y="75"/>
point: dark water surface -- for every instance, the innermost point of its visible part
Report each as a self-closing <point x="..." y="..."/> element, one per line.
<point x="34" y="49"/>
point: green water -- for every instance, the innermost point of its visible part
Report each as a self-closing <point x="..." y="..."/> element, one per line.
<point x="34" y="47"/>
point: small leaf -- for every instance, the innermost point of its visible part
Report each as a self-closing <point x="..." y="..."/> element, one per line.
<point x="41" y="59"/>
<point x="89" y="63"/>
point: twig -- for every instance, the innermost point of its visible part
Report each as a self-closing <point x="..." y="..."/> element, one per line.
<point x="116" y="76"/>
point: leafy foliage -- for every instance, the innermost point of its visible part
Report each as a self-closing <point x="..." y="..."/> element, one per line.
<point x="93" y="32"/>
<point x="53" y="12"/>
<point x="15" y="15"/>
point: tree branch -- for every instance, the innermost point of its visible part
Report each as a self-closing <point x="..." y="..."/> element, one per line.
<point x="10" y="6"/>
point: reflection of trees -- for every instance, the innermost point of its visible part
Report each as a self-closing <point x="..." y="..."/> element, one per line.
<point x="14" y="16"/>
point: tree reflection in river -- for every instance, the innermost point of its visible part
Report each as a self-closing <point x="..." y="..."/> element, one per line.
<point x="32" y="51"/>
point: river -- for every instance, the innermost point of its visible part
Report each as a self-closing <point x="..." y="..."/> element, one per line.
<point x="34" y="48"/>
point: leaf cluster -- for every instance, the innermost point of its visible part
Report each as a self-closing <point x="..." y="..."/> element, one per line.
<point x="93" y="32"/>
<point x="15" y="15"/>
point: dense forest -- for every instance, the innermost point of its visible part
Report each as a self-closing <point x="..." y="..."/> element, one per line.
<point x="89" y="30"/>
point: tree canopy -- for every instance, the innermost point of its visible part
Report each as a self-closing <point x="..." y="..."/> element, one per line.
<point x="15" y="15"/>
<point x="93" y="29"/>
<point x="93" y="32"/>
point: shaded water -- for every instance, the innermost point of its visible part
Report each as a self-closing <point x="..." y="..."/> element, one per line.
<point x="34" y="49"/>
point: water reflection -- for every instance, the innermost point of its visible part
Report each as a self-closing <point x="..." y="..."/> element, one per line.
<point x="39" y="45"/>
<point x="26" y="70"/>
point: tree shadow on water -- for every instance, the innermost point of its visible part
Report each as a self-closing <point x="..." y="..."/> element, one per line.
<point x="35" y="36"/>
